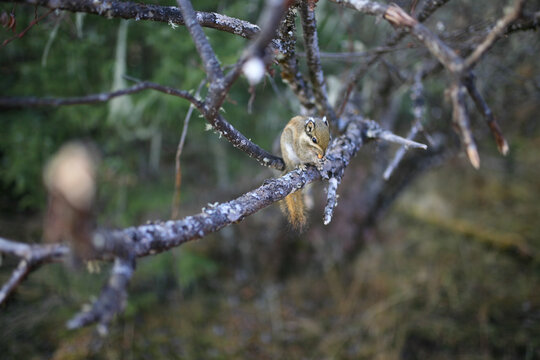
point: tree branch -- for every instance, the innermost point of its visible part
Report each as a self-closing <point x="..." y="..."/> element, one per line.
<point x="427" y="10"/>
<point x="290" y="73"/>
<point x="31" y="101"/>
<point x="209" y="59"/>
<point x="484" y="109"/>
<point x="461" y="119"/>
<point x="309" y="25"/>
<point x="495" y="33"/>
<point x="32" y="256"/>
<point x="137" y="11"/>
<point x="417" y="97"/>
<point x="219" y="123"/>
<point x="255" y="57"/>
<point x="112" y="299"/>
<point x="528" y="21"/>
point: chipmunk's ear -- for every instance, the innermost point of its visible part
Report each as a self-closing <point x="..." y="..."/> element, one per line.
<point x="310" y="125"/>
<point x="325" y="121"/>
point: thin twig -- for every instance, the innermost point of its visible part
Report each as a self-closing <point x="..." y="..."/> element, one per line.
<point x="417" y="97"/>
<point x="485" y="110"/>
<point x="30" y="101"/>
<point x="400" y="153"/>
<point x="461" y="119"/>
<point x="527" y="21"/>
<point x="32" y="256"/>
<point x="18" y="275"/>
<point x="254" y="58"/>
<point x="429" y="8"/>
<point x="178" y="177"/>
<point x="376" y="132"/>
<point x="351" y="56"/>
<point x="495" y="33"/>
<point x="22" y="33"/>
<point x="426" y="11"/>
<point x="448" y="57"/>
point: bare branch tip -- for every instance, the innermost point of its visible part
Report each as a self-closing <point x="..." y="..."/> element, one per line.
<point x="474" y="158"/>
<point x="399" y="17"/>
<point x="503" y="148"/>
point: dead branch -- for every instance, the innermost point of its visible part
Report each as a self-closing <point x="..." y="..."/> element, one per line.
<point x="112" y="299"/>
<point x="429" y="8"/>
<point x="137" y="11"/>
<point x="32" y="256"/>
<point x="309" y="25"/>
<point x="496" y="32"/>
<point x="485" y="110"/>
<point x="179" y="149"/>
<point x="331" y="200"/>
<point x="31" y="101"/>
<point x="22" y="33"/>
<point x="425" y="12"/>
<point x="417" y="96"/>
<point x="461" y="120"/>
<point x="290" y="73"/>
<point x="458" y="68"/>
<point x="527" y="21"/>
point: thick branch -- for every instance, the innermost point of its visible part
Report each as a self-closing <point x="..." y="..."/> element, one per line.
<point x="137" y="11"/>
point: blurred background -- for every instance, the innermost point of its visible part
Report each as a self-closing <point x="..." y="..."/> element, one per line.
<point x="440" y="262"/>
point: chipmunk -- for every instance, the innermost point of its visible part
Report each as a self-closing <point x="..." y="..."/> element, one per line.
<point x="304" y="141"/>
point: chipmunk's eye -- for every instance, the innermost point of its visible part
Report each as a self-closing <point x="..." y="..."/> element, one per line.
<point x="314" y="139"/>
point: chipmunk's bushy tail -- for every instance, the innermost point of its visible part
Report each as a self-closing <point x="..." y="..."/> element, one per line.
<point x="293" y="206"/>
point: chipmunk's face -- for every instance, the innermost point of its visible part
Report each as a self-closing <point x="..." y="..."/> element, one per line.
<point x="316" y="135"/>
